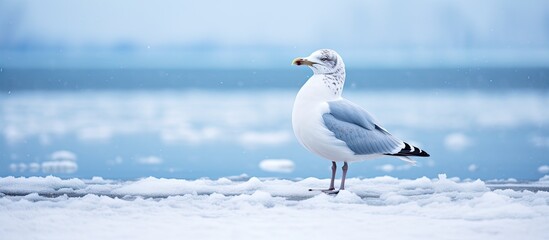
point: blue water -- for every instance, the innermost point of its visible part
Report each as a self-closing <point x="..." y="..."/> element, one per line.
<point x="486" y="79"/>
<point x="202" y="123"/>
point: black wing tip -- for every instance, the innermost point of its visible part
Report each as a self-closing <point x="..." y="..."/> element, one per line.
<point x="423" y="154"/>
<point x="407" y="151"/>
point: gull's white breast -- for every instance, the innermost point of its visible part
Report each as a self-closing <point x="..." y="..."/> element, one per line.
<point x="309" y="128"/>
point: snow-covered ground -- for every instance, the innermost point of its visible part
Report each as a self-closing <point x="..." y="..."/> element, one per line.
<point x="251" y="208"/>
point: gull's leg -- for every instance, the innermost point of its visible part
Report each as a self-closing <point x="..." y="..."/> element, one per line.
<point x="334" y="168"/>
<point x="332" y="187"/>
<point x="342" y="187"/>
<point x="344" y="168"/>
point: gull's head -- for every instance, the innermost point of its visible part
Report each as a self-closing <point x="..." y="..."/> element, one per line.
<point x="323" y="61"/>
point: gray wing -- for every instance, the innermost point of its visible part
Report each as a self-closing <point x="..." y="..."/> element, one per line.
<point x="357" y="128"/>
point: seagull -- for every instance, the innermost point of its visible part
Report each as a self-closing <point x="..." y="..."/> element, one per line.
<point x="335" y="128"/>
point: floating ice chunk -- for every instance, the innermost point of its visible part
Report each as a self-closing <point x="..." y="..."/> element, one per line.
<point x="277" y="165"/>
<point x="22" y="167"/>
<point x="390" y="167"/>
<point x="241" y="177"/>
<point x="34" y="167"/>
<point x="386" y="168"/>
<point x="150" y="160"/>
<point x="472" y="167"/>
<point x="63" y="166"/>
<point x="540" y="141"/>
<point x="254" y="139"/>
<point x="456" y="141"/>
<point x="14" y="134"/>
<point x="61" y="162"/>
<point x="543" y="169"/>
<point x="63" y="155"/>
<point x="13" y="167"/>
<point x="116" y="161"/>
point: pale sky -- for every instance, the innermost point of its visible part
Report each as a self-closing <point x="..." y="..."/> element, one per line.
<point x="400" y="30"/>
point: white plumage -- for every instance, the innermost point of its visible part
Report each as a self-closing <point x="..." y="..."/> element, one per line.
<point x="335" y="128"/>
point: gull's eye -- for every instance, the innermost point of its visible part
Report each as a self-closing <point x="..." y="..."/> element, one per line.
<point x="324" y="59"/>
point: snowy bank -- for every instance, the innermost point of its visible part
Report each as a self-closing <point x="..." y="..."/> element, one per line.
<point x="382" y="207"/>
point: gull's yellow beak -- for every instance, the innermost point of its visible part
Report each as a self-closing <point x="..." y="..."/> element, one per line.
<point x="302" y="61"/>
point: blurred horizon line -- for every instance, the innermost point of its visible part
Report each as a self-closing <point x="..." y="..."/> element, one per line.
<point x="234" y="79"/>
<point x="263" y="57"/>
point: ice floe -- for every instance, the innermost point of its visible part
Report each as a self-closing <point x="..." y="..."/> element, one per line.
<point x="245" y="207"/>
